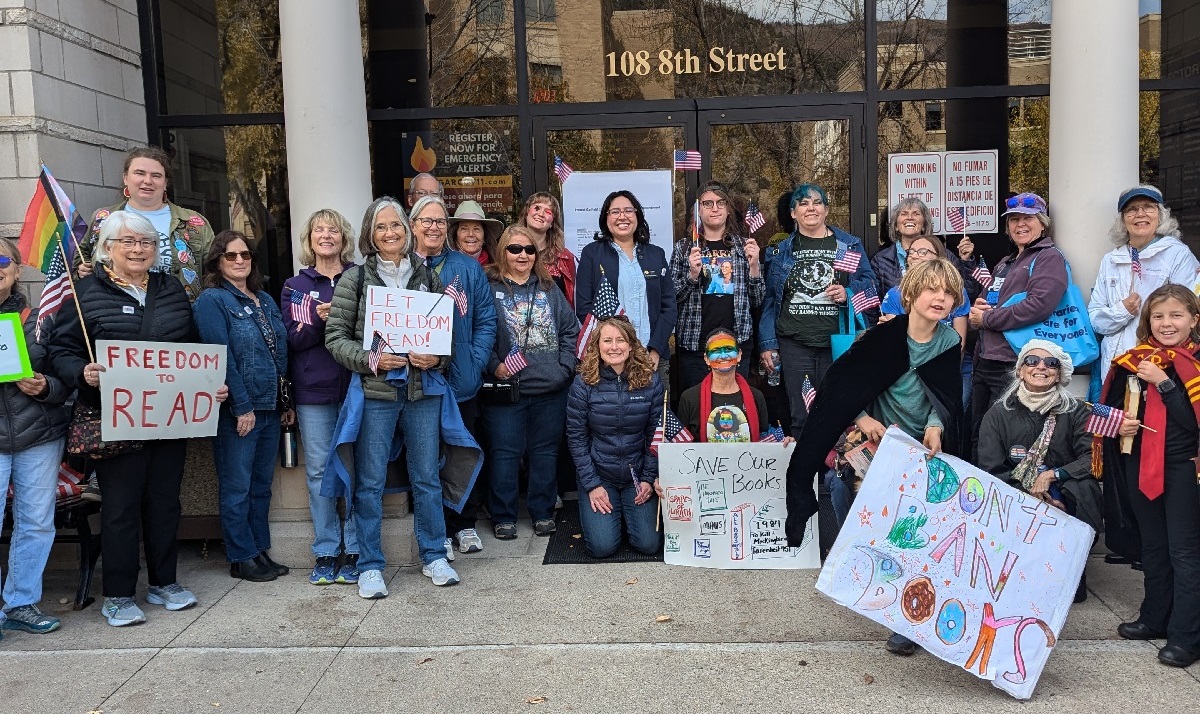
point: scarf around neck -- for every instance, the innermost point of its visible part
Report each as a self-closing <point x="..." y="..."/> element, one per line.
<point x="1039" y="402"/>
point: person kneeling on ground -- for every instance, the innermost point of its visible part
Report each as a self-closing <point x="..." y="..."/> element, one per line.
<point x="904" y="372"/>
<point x="612" y="411"/>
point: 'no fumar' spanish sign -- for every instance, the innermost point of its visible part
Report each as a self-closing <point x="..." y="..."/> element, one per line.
<point x="958" y="186"/>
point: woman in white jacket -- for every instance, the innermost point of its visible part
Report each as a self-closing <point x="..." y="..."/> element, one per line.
<point x="1148" y="255"/>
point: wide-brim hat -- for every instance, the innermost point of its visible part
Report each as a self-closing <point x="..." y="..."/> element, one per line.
<point x="472" y="211"/>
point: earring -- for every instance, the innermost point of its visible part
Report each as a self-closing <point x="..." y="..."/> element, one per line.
<point x="125" y="191"/>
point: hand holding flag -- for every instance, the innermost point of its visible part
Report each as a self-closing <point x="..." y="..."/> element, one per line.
<point x="754" y="219"/>
<point x="301" y="305"/>
<point x="865" y="300"/>
<point x="377" y="344"/>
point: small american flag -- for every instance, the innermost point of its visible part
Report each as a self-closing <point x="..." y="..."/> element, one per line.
<point x="774" y="434"/>
<point x="377" y="344"/>
<point x="846" y="260"/>
<point x="1105" y="420"/>
<point x="515" y="361"/>
<point x="981" y="274"/>
<point x="58" y="287"/>
<point x="808" y="393"/>
<point x="958" y="219"/>
<point x="301" y="304"/>
<point x="456" y="293"/>
<point x="1137" y="262"/>
<point x="754" y="218"/>
<point x="604" y="306"/>
<point x="865" y="300"/>
<point x="671" y="430"/>
<point x="562" y="169"/>
<point x="687" y="160"/>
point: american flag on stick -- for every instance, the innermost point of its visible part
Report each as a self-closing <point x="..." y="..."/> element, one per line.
<point x="670" y="430"/>
<point x="58" y="287"/>
<point x="981" y="274"/>
<point x="865" y="300"/>
<point x="301" y="304"/>
<point x="515" y="361"/>
<point x="378" y="342"/>
<point x="687" y="160"/>
<point x="846" y="260"/>
<point x="1105" y="420"/>
<point x="808" y="393"/>
<point x="1137" y="262"/>
<point x="958" y="219"/>
<point x="456" y="293"/>
<point x="754" y="218"/>
<point x="773" y="434"/>
<point x="562" y="169"/>
<point x="604" y="306"/>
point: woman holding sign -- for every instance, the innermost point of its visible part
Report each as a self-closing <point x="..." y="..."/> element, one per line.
<point x="122" y="299"/>
<point x="391" y="409"/>
<point x="32" y="432"/>
<point x="234" y="311"/>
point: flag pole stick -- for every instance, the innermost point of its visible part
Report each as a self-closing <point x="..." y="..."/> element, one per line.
<point x="87" y="341"/>
<point x="658" y="511"/>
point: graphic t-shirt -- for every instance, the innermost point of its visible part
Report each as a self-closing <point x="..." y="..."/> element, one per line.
<point x="807" y="315"/>
<point x="161" y="220"/>
<point x="726" y="423"/>
<point x="717" y="283"/>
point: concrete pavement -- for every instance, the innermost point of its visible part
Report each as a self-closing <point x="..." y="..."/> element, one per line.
<point x="518" y="636"/>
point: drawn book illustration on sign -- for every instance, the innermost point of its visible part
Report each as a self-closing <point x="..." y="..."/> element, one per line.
<point x="725" y="507"/>
<point x="976" y="572"/>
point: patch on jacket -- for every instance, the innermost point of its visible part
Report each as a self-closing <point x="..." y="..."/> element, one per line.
<point x="195" y="221"/>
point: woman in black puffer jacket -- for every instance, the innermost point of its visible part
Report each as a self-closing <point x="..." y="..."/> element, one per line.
<point x="612" y="411"/>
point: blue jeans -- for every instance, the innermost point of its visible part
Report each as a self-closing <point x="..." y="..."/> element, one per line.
<point x="419" y="424"/>
<point x="841" y="497"/>
<point x="602" y="531"/>
<point x="316" y="435"/>
<point x="34" y="476"/>
<point x="968" y="367"/>
<point x="245" y="471"/>
<point x="534" y="427"/>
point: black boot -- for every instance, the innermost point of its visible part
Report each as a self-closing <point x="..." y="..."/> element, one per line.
<point x="252" y="570"/>
<point x="1081" y="591"/>
<point x="265" y="559"/>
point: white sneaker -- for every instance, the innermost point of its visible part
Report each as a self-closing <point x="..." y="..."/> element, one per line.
<point x="370" y="585"/>
<point x="440" y="572"/>
<point x="172" y="597"/>
<point x="449" y="545"/>
<point x="468" y="541"/>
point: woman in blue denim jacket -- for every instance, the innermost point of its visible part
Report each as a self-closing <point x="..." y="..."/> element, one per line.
<point x="234" y="311"/>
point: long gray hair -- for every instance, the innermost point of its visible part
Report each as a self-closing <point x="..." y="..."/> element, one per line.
<point x="1167" y="224"/>
<point x="904" y="204"/>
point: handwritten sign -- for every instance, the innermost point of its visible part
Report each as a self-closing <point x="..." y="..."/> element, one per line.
<point x="725" y="507"/>
<point x="976" y="572"/>
<point x="159" y="390"/>
<point x="14" y="357"/>
<point x="405" y="320"/>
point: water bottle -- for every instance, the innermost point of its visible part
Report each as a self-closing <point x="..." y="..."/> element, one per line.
<point x="773" y="377"/>
<point x="288" y="445"/>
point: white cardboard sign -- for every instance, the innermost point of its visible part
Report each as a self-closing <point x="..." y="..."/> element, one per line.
<point x="949" y="181"/>
<point x="159" y="390"/>
<point x="410" y="321"/>
<point x="978" y="573"/>
<point x="726" y="507"/>
<point x="583" y="196"/>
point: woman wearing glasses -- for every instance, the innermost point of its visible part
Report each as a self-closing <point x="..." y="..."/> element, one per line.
<point x="1035" y="438"/>
<point x="534" y="360"/>
<point x="920" y="250"/>
<point x="695" y="264"/>
<point x="1035" y="267"/>
<point x="543" y="217"/>
<point x="614" y="406"/>
<point x="121" y="299"/>
<point x="234" y="311"/>
<point x="636" y="269"/>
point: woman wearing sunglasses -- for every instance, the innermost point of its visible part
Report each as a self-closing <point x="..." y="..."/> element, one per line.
<point x="234" y="311"/>
<point x="614" y="406"/>
<point x="1036" y="268"/>
<point x="122" y="299"/>
<point x="1035" y="438"/>
<point x="534" y="359"/>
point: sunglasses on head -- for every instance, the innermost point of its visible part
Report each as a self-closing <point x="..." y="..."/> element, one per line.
<point x="518" y="249"/>
<point x="5" y="261"/>
<point x="1026" y="201"/>
<point x="235" y="254"/>
<point x="1034" y="360"/>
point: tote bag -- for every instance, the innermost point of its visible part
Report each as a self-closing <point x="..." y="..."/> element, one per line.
<point x="1068" y="326"/>
<point x="850" y="323"/>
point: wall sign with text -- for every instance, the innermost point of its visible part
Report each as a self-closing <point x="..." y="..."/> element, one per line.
<point x="669" y="62"/>
<point x="958" y="186"/>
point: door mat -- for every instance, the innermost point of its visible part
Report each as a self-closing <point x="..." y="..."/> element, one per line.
<point x="566" y="545"/>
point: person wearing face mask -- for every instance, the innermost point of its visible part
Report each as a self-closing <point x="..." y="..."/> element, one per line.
<point x="623" y="254"/>
<point x="474" y="335"/>
<point x="724" y="407"/>
<point x="543" y="217"/>
<point x="474" y="234"/>
<point x="1035" y="437"/>
<point x="183" y="235"/>
<point x="1148" y="255"/>
<point x="613" y="409"/>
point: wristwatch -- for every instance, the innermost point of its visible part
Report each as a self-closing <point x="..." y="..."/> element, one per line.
<point x="1166" y="386"/>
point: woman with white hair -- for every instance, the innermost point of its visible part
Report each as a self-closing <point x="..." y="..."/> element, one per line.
<point x="123" y="299"/>
<point x="1148" y="255"/>
<point x="1035" y="438"/>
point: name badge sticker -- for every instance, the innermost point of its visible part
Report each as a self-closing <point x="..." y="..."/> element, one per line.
<point x="127" y="309"/>
<point x="248" y="310"/>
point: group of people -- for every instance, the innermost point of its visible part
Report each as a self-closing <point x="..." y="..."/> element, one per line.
<point x="522" y="383"/>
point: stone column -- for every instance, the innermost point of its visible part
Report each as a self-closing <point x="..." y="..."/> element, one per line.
<point x="325" y="111"/>
<point x="1093" y="125"/>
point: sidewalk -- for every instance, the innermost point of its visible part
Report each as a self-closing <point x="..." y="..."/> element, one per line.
<point x="584" y="638"/>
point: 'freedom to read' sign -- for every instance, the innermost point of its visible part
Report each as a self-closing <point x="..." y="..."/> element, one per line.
<point x="159" y="390"/>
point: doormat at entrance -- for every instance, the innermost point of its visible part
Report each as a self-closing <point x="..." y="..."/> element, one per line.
<point x="566" y="545"/>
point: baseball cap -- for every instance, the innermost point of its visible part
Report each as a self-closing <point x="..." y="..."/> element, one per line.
<point x="1138" y="192"/>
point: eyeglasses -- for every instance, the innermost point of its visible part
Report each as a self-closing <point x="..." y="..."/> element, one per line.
<point x="395" y="226"/>
<point x="233" y="255"/>
<point x="422" y="193"/>
<point x="711" y="204"/>
<point x="431" y="222"/>
<point x="1147" y="208"/>
<point x="615" y="212"/>
<point x="519" y="249"/>
<point x="1034" y="360"/>
<point x="1026" y="201"/>
<point x="5" y="261"/>
<point x="923" y="253"/>
<point x="128" y="243"/>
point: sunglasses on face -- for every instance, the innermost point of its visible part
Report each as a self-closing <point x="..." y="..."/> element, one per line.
<point x="514" y="249"/>
<point x="5" y="261"/>
<point x="233" y="255"/>
<point x="1034" y="360"/>
<point x="1026" y="201"/>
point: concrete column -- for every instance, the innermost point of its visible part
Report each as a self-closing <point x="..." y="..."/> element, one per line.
<point x="325" y="111"/>
<point x="1093" y="124"/>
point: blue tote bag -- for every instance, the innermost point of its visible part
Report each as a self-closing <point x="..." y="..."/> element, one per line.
<point x="1068" y="326"/>
<point x="850" y="323"/>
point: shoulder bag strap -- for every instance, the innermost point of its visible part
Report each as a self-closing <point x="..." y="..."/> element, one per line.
<point x="148" y="312"/>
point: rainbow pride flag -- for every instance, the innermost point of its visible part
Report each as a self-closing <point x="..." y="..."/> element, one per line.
<point x="51" y="217"/>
